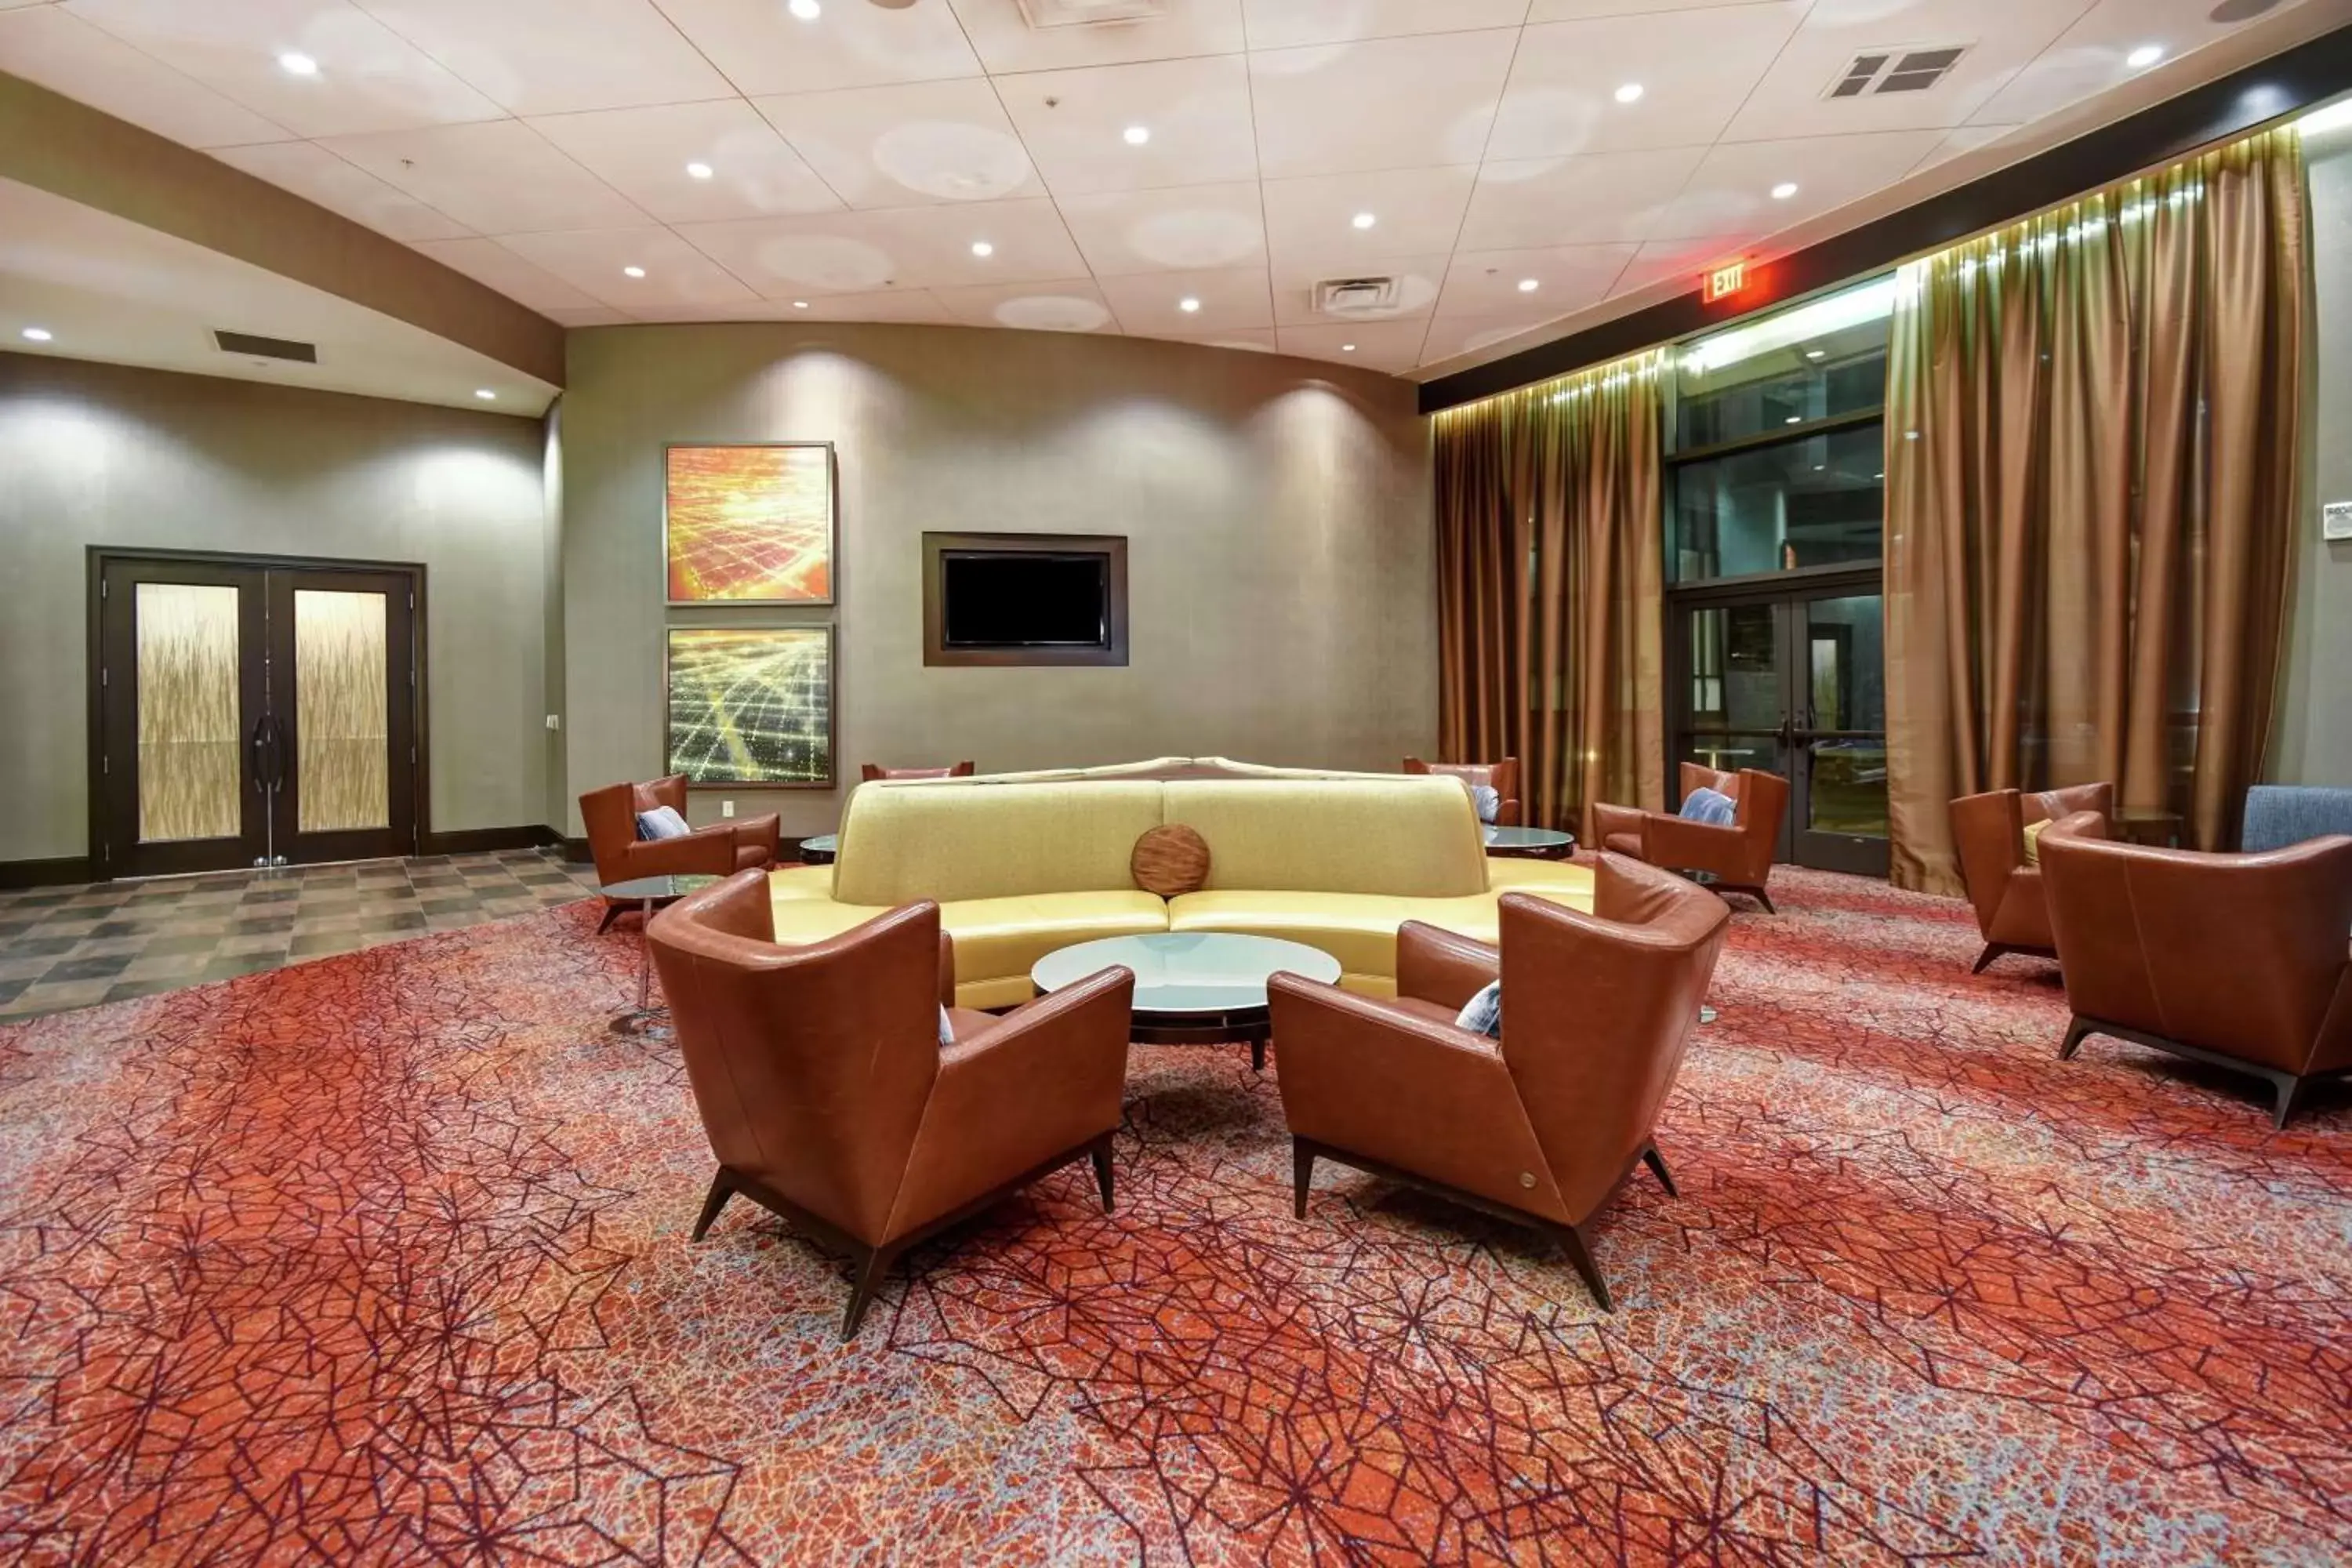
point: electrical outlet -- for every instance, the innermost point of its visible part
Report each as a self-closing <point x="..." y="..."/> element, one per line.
<point x="2336" y="520"/>
<point x="555" y="721"/>
<point x="725" y="808"/>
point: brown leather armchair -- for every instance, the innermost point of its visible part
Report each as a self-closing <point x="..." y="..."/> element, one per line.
<point x="1989" y="830"/>
<point x="869" y="772"/>
<point x="1539" y="1127"/>
<point x="828" y="1098"/>
<point x="721" y="850"/>
<point x="2240" y="961"/>
<point x="1739" y="854"/>
<point x="1502" y="777"/>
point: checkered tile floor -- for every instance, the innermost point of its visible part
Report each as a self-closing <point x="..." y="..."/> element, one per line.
<point x="71" y="947"/>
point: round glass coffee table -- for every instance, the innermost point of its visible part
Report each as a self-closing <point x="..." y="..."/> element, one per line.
<point x="1529" y="843"/>
<point x="821" y="850"/>
<point x="648" y="892"/>
<point x="1193" y="988"/>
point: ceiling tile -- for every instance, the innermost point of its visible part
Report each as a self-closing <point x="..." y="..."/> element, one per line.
<point x="1967" y="139"/>
<point x="1436" y="99"/>
<point x="587" y="316"/>
<point x="1250" y="340"/>
<point x="501" y="177"/>
<point x="764" y="49"/>
<point x="913" y="306"/>
<point x="1074" y="305"/>
<point x="918" y="248"/>
<point x="597" y="262"/>
<point x="1196" y="228"/>
<point x="643" y="154"/>
<point x="66" y="55"/>
<point x="1731" y="191"/>
<point x="556" y="56"/>
<point x="1229" y="300"/>
<point x="2001" y="35"/>
<point x="1197" y="112"/>
<point x="1281" y="24"/>
<point x="315" y="175"/>
<point x="1451" y="335"/>
<point x="369" y="78"/>
<point x="1693" y="69"/>
<point x="1595" y="199"/>
<point x="1566" y="278"/>
<point x="1415" y="211"/>
<point x="2093" y="55"/>
<point x="1418" y="280"/>
<point x="1577" y="10"/>
<point x="904" y="146"/>
<point x="1007" y="42"/>
<point x="1682" y="260"/>
<point x="488" y="261"/>
<point x="1390" y="346"/>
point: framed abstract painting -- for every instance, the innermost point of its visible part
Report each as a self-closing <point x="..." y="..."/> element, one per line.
<point x="748" y="525"/>
<point x="750" y="705"/>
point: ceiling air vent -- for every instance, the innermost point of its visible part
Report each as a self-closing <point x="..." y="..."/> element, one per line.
<point x="1355" y="296"/>
<point x="1085" y="13"/>
<point x="266" y="348"/>
<point x="1875" y="71"/>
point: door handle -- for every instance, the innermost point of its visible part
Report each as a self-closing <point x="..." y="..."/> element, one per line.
<point x="269" y="753"/>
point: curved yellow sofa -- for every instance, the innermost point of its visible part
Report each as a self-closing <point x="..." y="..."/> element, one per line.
<point x="1022" y="866"/>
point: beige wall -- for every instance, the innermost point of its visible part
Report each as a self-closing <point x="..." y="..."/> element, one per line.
<point x="94" y="454"/>
<point x="2314" y="734"/>
<point x="1282" y="601"/>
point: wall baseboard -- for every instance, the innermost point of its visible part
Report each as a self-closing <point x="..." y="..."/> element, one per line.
<point x="575" y="850"/>
<point x="61" y="871"/>
<point x="490" y="840"/>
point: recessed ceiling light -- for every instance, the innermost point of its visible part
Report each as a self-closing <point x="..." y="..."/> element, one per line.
<point x="1784" y="190"/>
<point x="806" y="10"/>
<point x="1187" y="305"/>
<point x="1347" y="348"/>
<point x="800" y="304"/>
<point x="1528" y="285"/>
<point x="1815" y="353"/>
<point x="1794" y="419"/>
<point x="486" y="395"/>
<point x="1136" y="135"/>
<point x="699" y="171"/>
<point x="38" y="334"/>
<point x="294" y="64"/>
<point x="1630" y="93"/>
<point x="980" y="248"/>
<point x="632" y="272"/>
<point x="1364" y="220"/>
<point x="2144" y="57"/>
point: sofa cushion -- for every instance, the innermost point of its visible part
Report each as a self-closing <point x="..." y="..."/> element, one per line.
<point x="801" y="882"/>
<point x="1358" y="929"/>
<point x="1002" y="939"/>
<point x="960" y="840"/>
<point x="1408" y="836"/>
<point x="1563" y="881"/>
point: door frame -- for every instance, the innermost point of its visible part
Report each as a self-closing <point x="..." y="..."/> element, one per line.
<point x="1858" y="854"/>
<point x="98" y="557"/>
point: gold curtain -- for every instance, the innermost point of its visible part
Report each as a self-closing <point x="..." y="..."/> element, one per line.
<point x="1550" y="558"/>
<point x="2092" y="450"/>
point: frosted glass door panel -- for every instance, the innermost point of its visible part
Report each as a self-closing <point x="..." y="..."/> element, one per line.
<point x="190" y="725"/>
<point x="342" y="741"/>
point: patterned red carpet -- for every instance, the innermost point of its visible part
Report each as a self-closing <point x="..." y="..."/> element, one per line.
<point x="384" y="1260"/>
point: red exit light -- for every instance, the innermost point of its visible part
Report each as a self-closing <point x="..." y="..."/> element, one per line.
<point x="1725" y="280"/>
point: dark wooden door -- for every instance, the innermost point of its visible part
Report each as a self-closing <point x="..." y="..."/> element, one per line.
<point x="252" y="713"/>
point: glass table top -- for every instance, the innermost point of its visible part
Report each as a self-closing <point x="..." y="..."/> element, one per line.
<point x="676" y="887"/>
<point x="1188" y="971"/>
<point x="1525" y="838"/>
<point x="823" y="844"/>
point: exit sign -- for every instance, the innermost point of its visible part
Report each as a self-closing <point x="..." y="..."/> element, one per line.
<point x="1725" y="280"/>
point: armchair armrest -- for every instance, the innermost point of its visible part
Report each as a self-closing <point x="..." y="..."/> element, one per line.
<point x="707" y="851"/>
<point x="1608" y="818"/>
<point x="1443" y="967"/>
<point x="1676" y="842"/>
<point x="946" y="970"/>
<point x="1045" y="1080"/>
<point x="764" y="832"/>
<point x="1422" y="1097"/>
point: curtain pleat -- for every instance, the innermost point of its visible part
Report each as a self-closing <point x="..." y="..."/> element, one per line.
<point x="2091" y="437"/>
<point x="1551" y="559"/>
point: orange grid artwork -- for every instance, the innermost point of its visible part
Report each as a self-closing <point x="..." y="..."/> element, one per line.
<point x="750" y="524"/>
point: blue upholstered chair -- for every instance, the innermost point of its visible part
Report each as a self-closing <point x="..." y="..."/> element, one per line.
<point x="2281" y="814"/>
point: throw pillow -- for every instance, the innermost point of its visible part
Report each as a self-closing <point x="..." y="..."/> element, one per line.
<point x="2034" y="842"/>
<point x="1711" y="806"/>
<point x="1169" y="860"/>
<point x="1483" y="1014"/>
<point x="1487" y="799"/>
<point x="947" y="1030"/>
<point x="662" y="821"/>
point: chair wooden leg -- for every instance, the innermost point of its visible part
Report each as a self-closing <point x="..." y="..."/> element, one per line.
<point x="2076" y="1034"/>
<point x="1571" y="1241"/>
<point x="1985" y="959"/>
<point x="1657" y="1164"/>
<point x="2290" y="1089"/>
<point x="721" y="1189"/>
<point x="1101" y="1152"/>
<point x="613" y="911"/>
<point x="1764" y="898"/>
<point x="1302" y="1175"/>
<point x="872" y="1268"/>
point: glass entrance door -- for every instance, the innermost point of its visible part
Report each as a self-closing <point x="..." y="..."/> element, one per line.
<point x="1793" y="681"/>
<point x="252" y="715"/>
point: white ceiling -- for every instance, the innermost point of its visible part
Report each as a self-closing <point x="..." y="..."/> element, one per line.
<point x="542" y="145"/>
<point x="106" y="288"/>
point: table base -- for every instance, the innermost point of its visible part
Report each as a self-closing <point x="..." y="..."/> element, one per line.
<point x="1251" y="1027"/>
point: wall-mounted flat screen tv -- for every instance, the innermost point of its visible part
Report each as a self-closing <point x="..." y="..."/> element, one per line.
<point x="1024" y="598"/>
